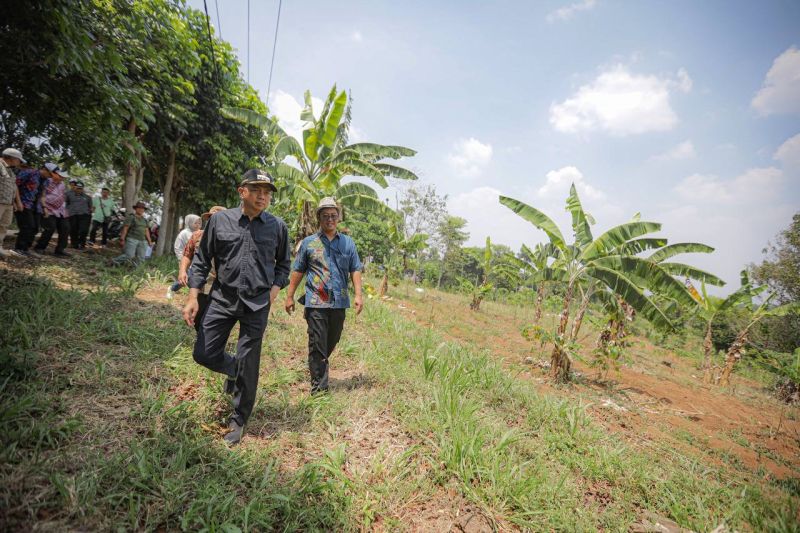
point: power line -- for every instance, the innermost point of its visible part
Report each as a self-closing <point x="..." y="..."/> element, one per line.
<point x="219" y="23"/>
<point x="274" y="46"/>
<point x="211" y="41"/>
<point x="248" y="41"/>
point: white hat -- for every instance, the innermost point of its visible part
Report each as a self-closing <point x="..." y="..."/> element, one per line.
<point x="326" y="203"/>
<point x="13" y="152"/>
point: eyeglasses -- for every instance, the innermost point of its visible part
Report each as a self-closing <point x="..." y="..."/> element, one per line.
<point x="332" y="216"/>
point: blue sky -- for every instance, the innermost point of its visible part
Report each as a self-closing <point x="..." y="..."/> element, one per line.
<point x="688" y="112"/>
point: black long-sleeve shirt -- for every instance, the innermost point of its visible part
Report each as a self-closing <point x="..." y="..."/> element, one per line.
<point x="249" y="256"/>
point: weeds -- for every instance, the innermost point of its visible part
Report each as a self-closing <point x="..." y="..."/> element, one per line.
<point x="96" y="434"/>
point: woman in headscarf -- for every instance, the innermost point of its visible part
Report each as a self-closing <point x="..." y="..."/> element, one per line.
<point x="191" y="223"/>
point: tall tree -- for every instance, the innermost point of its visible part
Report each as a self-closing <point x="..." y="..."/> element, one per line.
<point x="758" y="312"/>
<point x="780" y="270"/>
<point x="451" y="235"/>
<point x="325" y="158"/>
<point x="68" y="79"/>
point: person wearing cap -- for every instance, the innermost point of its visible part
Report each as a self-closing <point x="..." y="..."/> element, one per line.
<point x="79" y="206"/>
<point x="191" y="224"/>
<point x="30" y="182"/>
<point x="326" y="259"/>
<point x="250" y="249"/>
<point x="134" y="238"/>
<point x="9" y="195"/>
<point x="102" y="209"/>
<point x="54" y="213"/>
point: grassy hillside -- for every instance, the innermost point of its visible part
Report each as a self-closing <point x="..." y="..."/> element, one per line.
<point x="433" y="423"/>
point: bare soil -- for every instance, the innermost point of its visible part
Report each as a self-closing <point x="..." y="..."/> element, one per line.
<point x="657" y="399"/>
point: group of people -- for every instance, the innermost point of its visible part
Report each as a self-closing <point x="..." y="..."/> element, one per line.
<point x="40" y="199"/>
<point x="235" y="269"/>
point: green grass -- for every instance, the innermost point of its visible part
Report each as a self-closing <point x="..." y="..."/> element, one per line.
<point x="98" y="435"/>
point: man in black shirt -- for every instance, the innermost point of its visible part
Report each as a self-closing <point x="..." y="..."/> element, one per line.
<point x="249" y="249"/>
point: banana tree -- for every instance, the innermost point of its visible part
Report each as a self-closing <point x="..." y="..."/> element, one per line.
<point x="506" y="268"/>
<point x="535" y="262"/>
<point x="603" y="261"/>
<point x="708" y="310"/>
<point x="758" y="313"/>
<point x="324" y="159"/>
<point x="402" y="248"/>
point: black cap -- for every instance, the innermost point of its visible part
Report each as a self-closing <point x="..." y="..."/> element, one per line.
<point x="255" y="176"/>
<point x="79" y="184"/>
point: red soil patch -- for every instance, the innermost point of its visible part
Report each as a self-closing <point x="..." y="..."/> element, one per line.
<point x="662" y="390"/>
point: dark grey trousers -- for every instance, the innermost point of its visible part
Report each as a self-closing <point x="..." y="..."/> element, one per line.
<point x="50" y="225"/>
<point x="324" y="331"/>
<point x="209" y="350"/>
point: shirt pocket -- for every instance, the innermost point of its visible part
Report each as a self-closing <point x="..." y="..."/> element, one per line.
<point x="227" y="242"/>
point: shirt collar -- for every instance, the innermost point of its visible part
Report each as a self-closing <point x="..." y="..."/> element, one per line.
<point x="262" y="216"/>
<point x="322" y="234"/>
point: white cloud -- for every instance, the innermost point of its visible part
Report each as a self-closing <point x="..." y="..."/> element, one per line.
<point x="738" y="236"/>
<point x="684" y="150"/>
<point x="559" y="181"/>
<point x="567" y="12"/>
<point x="789" y="154"/>
<point x="756" y="184"/>
<point x="357" y="135"/>
<point x="470" y="157"/>
<point x="621" y="103"/>
<point x="284" y="106"/>
<point x="486" y="216"/>
<point x="780" y="92"/>
<point x="684" y="82"/>
<point x="356" y="37"/>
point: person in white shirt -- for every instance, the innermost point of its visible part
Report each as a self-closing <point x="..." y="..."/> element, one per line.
<point x="191" y="223"/>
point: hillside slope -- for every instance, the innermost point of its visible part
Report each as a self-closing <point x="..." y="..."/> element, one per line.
<point x="433" y="424"/>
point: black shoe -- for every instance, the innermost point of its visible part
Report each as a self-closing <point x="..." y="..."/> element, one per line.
<point x="60" y="253"/>
<point x="234" y="435"/>
<point x="23" y="253"/>
<point x="319" y="391"/>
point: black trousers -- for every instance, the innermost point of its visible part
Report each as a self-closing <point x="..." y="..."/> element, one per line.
<point x="50" y="225"/>
<point x="324" y="331"/>
<point x="93" y="234"/>
<point x="209" y="350"/>
<point x="26" y="222"/>
<point x="79" y="229"/>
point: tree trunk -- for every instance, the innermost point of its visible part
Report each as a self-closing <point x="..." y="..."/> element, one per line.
<point x="559" y="360"/>
<point x="475" y="305"/>
<point x="733" y="355"/>
<point x="576" y="324"/>
<point x="628" y="314"/>
<point x="131" y="171"/>
<point x="539" y="299"/>
<point x="168" y="208"/>
<point x="384" y="288"/>
<point x="175" y="228"/>
<point x="308" y="223"/>
<point x="604" y="339"/>
<point x="707" y="345"/>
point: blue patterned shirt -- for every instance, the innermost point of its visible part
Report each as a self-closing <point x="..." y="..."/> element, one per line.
<point x="327" y="264"/>
<point x="29" y="183"/>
